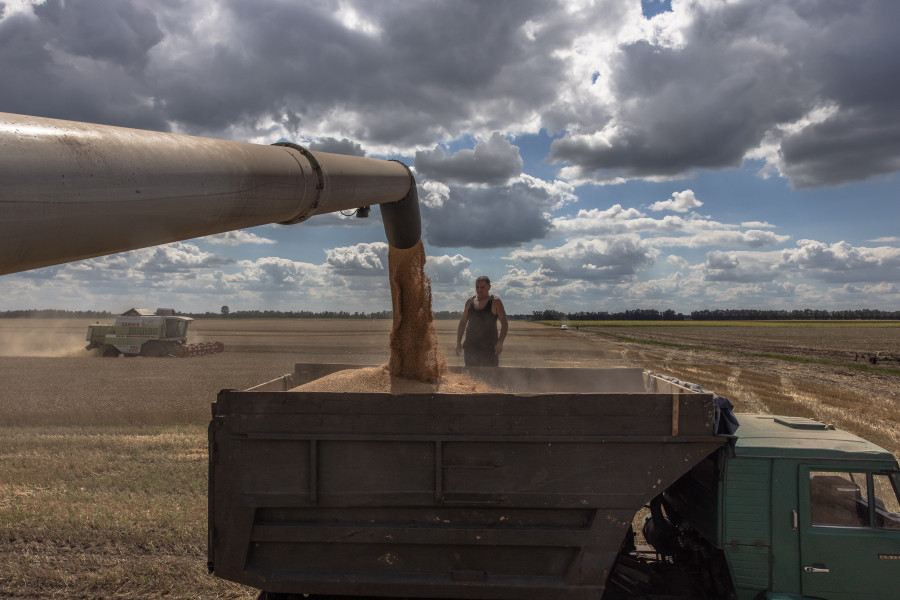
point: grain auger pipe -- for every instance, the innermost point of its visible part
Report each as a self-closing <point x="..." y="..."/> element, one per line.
<point x="70" y="191"/>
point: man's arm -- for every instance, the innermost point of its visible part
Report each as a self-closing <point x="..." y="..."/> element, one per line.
<point x="461" y="329"/>
<point x="497" y="306"/>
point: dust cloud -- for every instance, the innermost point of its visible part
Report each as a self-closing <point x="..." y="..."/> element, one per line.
<point x="42" y="338"/>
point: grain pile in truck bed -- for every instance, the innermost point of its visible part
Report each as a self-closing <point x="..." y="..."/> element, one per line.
<point x="379" y="380"/>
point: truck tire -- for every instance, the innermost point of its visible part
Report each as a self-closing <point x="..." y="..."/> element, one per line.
<point x="109" y="351"/>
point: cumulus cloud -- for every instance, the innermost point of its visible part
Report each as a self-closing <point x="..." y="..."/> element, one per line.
<point x="237" y="238"/>
<point x="739" y="267"/>
<point x="842" y="262"/>
<point x="816" y="261"/>
<point x="335" y="146"/>
<point x="278" y="273"/>
<point x="522" y="279"/>
<point x="728" y="77"/>
<point x="182" y="275"/>
<point x="493" y="161"/>
<point x="769" y="294"/>
<point x="700" y="87"/>
<point x="361" y="259"/>
<point x="86" y="63"/>
<point x="448" y="270"/>
<point x="496" y="217"/>
<point x="615" y="219"/>
<point x="867" y="295"/>
<point x="752" y="238"/>
<point x="214" y="71"/>
<point x="120" y="33"/>
<point x="672" y="230"/>
<point x="676" y="261"/>
<point x="433" y="194"/>
<point x="664" y="292"/>
<point x="757" y="225"/>
<point x="680" y="202"/>
<point x="334" y="79"/>
<point x="806" y="92"/>
<point x="178" y="256"/>
<point x="538" y="288"/>
<point x="612" y="260"/>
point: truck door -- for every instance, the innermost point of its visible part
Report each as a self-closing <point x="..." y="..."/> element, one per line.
<point x="849" y="524"/>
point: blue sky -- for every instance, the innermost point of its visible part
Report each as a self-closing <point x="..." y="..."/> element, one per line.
<point x="601" y="155"/>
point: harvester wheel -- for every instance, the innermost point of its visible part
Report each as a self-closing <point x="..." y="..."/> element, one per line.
<point x="153" y="349"/>
<point x="110" y="351"/>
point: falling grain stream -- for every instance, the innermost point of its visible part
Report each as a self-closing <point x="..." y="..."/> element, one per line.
<point x="417" y="362"/>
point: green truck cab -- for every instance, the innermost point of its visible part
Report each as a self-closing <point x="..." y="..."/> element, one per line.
<point x="796" y="509"/>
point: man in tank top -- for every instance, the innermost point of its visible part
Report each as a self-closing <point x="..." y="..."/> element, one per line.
<point x="479" y="323"/>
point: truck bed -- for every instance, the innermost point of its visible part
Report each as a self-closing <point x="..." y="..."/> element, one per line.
<point x="522" y="494"/>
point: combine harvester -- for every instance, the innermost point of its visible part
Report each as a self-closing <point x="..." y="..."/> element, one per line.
<point x="141" y="332"/>
<point x="526" y="493"/>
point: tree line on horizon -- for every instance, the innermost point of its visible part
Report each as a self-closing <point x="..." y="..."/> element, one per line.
<point x="642" y="314"/>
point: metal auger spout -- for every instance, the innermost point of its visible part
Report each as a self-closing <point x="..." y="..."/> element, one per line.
<point x="70" y="191"/>
<point x="402" y="222"/>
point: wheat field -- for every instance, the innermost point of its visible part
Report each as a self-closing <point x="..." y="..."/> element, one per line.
<point x="103" y="462"/>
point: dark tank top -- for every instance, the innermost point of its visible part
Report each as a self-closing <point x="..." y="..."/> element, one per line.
<point x="481" y="327"/>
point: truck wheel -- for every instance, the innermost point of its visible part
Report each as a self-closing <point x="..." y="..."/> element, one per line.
<point x="110" y="351"/>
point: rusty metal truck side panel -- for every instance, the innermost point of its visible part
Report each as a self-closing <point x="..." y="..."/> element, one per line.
<point x="506" y="495"/>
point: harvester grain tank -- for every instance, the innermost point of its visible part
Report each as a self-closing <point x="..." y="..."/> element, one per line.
<point x="528" y="493"/>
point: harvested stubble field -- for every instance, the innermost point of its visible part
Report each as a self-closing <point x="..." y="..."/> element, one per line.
<point x="103" y="461"/>
<point x="811" y="369"/>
